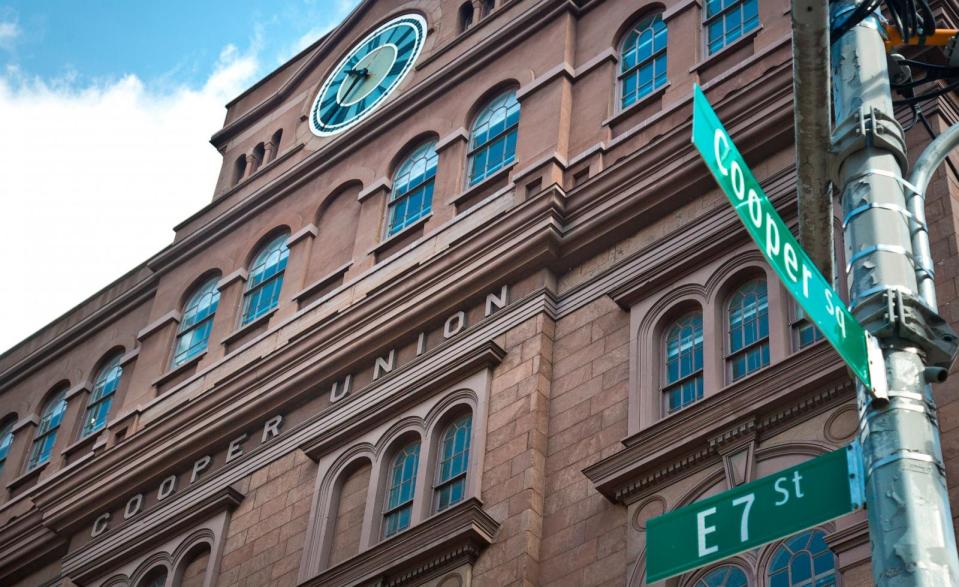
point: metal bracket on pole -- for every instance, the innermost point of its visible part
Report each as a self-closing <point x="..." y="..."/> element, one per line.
<point x="868" y="127"/>
<point x="892" y="313"/>
<point x="877" y="369"/>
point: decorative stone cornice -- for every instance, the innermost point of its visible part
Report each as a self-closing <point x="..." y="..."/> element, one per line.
<point x="142" y="532"/>
<point x="446" y="540"/>
<point x="799" y="387"/>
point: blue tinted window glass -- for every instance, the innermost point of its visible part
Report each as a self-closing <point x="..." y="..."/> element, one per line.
<point x="416" y="174"/>
<point x="265" y="279"/>
<point x="683" y="362"/>
<point x="643" y="58"/>
<point x="46" y="437"/>
<point x="489" y="151"/>
<point x="399" y="494"/>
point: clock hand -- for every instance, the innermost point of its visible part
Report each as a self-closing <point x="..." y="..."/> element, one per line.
<point x="361" y="74"/>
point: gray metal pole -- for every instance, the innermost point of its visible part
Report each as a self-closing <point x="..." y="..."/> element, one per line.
<point x="910" y="523"/>
<point x="810" y="23"/>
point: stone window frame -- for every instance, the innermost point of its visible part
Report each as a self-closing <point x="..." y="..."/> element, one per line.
<point x="274" y="243"/>
<point x="428" y="420"/>
<point x="709" y="288"/>
<point x="647" y="16"/>
<point x="174" y="554"/>
<point x="207" y="285"/>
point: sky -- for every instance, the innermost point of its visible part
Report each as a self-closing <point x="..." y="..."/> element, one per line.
<point x="106" y="110"/>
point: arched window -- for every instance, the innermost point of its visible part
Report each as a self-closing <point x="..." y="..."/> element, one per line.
<point x="684" y="363"/>
<point x="466" y="15"/>
<point x="266" y="279"/>
<point x="724" y="576"/>
<point x="239" y="169"/>
<point x="275" y="141"/>
<point x="397" y="514"/>
<point x="46" y="437"/>
<point x="104" y="387"/>
<point x="6" y="439"/>
<point x="412" y="196"/>
<point x="803" y="561"/>
<point x="748" y="329"/>
<point x="493" y="137"/>
<point x="454" y="459"/>
<point x="727" y="20"/>
<point x="155" y="578"/>
<point x="486" y="7"/>
<point x="197" y="322"/>
<point x="259" y="156"/>
<point x="642" y="63"/>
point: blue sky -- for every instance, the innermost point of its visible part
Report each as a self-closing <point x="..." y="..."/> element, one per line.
<point x="112" y="104"/>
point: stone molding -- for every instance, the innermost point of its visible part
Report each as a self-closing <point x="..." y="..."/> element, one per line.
<point x="142" y="532"/>
<point x="660" y="453"/>
<point x="444" y="541"/>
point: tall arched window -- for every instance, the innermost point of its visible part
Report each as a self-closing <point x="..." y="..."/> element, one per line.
<point x="642" y="64"/>
<point x="266" y="279"/>
<point x="803" y="561"/>
<point x="466" y="15"/>
<point x="748" y="329"/>
<point x="50" y="418"/>
<point x="454" y="458"/>
<point x="486" y="7"/>
<point x="104" y="387"/>
<point x="197" y="322"/>
<point x="398" y="511"/>
<point x="804" y="331"/>
<point x="275" y="142"/>
<point x="684" y="363"/>
<point x="493" y="137"/>
<point x="6" y="439"/>
<point x="239" y="169"/>
<point x="724" y="576"/>
<point x="412" y="196"/>
<point x="727" y="20"/>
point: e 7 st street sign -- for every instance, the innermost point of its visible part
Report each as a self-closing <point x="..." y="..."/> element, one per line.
<point x="752" y="514"/>
<point x="801" y="277"/>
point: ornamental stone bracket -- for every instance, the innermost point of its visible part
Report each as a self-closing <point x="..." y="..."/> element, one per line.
<point x="447" y="540"/>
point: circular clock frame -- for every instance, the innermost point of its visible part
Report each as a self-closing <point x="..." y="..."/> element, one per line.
<point x="328" y="98"/>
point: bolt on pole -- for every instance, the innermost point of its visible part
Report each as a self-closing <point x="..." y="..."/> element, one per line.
<point x="910" y="523"/>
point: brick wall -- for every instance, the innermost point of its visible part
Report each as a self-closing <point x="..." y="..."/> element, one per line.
<point x="585" y="535"/>
<point x="266" y="532"/>
<point x="514" y="467"/>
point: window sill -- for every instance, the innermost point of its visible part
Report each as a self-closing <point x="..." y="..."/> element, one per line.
<point x="449" y="539"/>
<point x="471" y="191"/>
<point x="315" y="289"/>
<point x="386" y="244"/>
<point x="31" y="475"/>
<point x="242" y="331"/>
<point x="739" y="43"/>
<point x="87" y="442"/>
<point x="636" y="106"/>
<point x="172" y="373"/>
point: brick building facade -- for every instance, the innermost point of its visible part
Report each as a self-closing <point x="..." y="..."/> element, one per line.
<point x="477" y="336"/>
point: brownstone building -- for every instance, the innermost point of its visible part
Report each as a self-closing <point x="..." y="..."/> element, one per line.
<point x="465" y="308"/>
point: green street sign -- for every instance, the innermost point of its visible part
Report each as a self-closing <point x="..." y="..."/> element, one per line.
<point x="755" y="513"/>
<point x="803" y="280"/>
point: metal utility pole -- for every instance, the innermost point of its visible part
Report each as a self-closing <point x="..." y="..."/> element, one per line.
<point x="910" y="523"/>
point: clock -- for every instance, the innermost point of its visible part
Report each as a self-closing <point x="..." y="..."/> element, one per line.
<point x="372" y="69"/>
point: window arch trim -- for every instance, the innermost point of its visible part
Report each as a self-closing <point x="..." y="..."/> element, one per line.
<point x="196" y="322"/>
<point x="635" y="60"/>
<point x="494" y="147"/>
<point x="51" y="416"/>
<point x="413" y="182"/>
<point x="106" y="383"/>
<point x="265" y="276"/>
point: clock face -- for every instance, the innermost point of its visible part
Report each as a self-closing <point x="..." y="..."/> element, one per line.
<point x="367" y="75"/>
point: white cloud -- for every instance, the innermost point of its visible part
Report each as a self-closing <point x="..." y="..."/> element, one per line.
<point x="93" y="178"/>
<point x="9" y="31"/>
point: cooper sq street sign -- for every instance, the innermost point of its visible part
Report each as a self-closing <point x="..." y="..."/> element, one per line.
<point x="811" y="290"/>
<point x="755" y="513"/>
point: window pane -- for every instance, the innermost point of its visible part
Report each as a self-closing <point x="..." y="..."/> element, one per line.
<point x="493" y="147"/>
